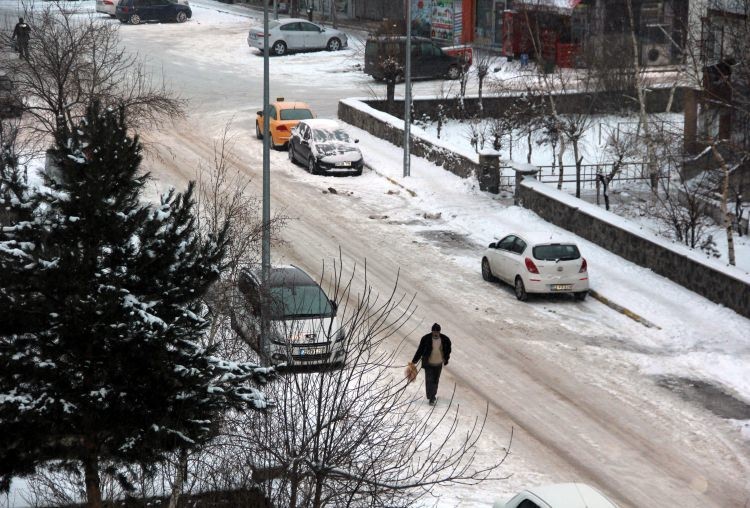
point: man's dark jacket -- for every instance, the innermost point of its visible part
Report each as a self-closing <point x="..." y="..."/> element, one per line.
<point x="425" y="349"/>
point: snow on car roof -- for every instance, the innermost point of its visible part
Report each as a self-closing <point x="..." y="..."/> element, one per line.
<point x="572" y="495"/>
<point x="322" y="124"/>
<point x="542" y="237"/>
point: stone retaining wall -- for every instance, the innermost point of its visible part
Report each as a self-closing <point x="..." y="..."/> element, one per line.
<point x="453" y="162"/>
<point x="717" y="286"/>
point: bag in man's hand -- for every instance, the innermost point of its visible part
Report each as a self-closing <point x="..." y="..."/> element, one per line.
<point x="411" y="372"/>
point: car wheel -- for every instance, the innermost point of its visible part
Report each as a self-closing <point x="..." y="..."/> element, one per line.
<point x="333" y="44"/>
<point x="181" y="17"/>
<point x="454" y="72"/>
<point x="487" y="271"/>
<point x="291" y="152"/>
<point x="311" y="168"/>
<point x="258" y="134"/>
<point x="279" y="48"/>
<point x="135" y="19"/>
<point x="581" y="296"/>
<point x="520" y="289"/>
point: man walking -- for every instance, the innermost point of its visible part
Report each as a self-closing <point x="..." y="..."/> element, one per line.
<point x="434" y="350"/>
<point x="22" y="34"/>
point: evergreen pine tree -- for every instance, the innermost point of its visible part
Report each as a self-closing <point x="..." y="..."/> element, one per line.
<point x="100" y="315"/>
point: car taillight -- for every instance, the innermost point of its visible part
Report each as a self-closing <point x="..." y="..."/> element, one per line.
<point x="283" y="128"/>
<point x="584" y="266"/>
<point x="530" y="266"/>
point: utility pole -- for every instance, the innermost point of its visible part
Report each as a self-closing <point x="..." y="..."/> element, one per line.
<point x="407" y="94"/>
<point x="276" y="10"/>
<point x="266" y="238"/>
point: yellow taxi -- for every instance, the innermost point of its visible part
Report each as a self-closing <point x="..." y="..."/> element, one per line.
<point x="283" y="116"/>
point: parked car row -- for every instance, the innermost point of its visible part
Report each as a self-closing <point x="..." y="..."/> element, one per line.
<point x="321" y="146"/>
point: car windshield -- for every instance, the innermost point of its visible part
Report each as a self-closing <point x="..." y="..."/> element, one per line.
<point x="296" y="114"/>
<point x="326" y="135"/>
<point x="299" y="302"/>
<point x="556" y="251"/>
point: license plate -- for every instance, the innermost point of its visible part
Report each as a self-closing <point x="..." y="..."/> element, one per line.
<point x="562" y="287"/>
<point x="343" y="164"/>
<point x="311" y="350"/>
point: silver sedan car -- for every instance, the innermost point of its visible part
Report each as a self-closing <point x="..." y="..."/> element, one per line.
<point x="296" y="35"/>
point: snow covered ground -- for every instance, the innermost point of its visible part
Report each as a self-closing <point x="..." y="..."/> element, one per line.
<point x="434" y="226"/>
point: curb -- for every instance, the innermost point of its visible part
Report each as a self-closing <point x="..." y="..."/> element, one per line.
<point x="394" y="182"/>
<point x="622" y="310"/>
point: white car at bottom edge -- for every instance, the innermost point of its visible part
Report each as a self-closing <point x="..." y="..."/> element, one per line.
<point x="558" y="495"/>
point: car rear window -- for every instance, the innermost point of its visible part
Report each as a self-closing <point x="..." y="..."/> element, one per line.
<point x="555" y="251"/>
<point x="296" y="114"/>
<point x="323" y="135"/>
<point x="371" y="48"/>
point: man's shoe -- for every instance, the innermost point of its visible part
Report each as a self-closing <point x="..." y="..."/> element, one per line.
<point x="433" y="401"/>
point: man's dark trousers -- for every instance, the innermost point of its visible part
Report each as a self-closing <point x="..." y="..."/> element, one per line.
<point x="431" y="379"/>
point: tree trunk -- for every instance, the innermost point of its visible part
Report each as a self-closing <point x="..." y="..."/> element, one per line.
<point x="724" y="208"/>
<point x="560" y="163"/>
<point x="479" y="98"/>
<point x="390" y="92"/>
<point x="528" y="143"/>
<point x="640" y="86"/>
<point x="578" y="167"/>
<point x="179" y="479"/>
<point x="91" y="475"/>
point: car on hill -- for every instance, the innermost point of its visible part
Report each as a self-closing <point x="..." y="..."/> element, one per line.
<point x="283" y="116"/>
<point x="428" y="60"/>
<point x="324" y="147"/>
<point x="304" y="330"/>
<point x="558" y="495"/>
<point x="138" y="11"/>
<point x="537" y="263"/>
<point x="293" y="34"/>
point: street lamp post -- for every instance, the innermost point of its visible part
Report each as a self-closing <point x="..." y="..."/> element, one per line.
<point x="266" y="237"/>
<point x="407" y="93"/>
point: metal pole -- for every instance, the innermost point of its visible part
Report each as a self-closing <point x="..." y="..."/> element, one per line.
<point x="266" y="238"/>
<point x="276" y="10"/>
<point x="407" y="93"/>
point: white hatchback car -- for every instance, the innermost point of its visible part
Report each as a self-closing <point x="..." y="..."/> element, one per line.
<point x="296" y="35"/>
<point x="558" y="495"/>
<point x="537" y="263"/>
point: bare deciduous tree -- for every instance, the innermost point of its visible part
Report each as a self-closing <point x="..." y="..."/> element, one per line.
<point x="77" y="60"/>
<point x="351" y="436"/>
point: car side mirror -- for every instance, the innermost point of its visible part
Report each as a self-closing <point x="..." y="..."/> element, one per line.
<point x="492" y="245"/>
<point x="322" y="30"/>
<point x="305" y="141"/>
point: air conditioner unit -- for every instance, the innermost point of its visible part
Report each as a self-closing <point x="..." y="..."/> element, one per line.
<point x="655" y="55"/>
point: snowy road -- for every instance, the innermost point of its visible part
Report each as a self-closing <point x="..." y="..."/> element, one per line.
<point x="561" y="373"/>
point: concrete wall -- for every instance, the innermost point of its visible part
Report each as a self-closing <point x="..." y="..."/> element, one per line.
<point x="713" y="284"/>
<point x="453" y="162"/>
<point x="657" y="100"/>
